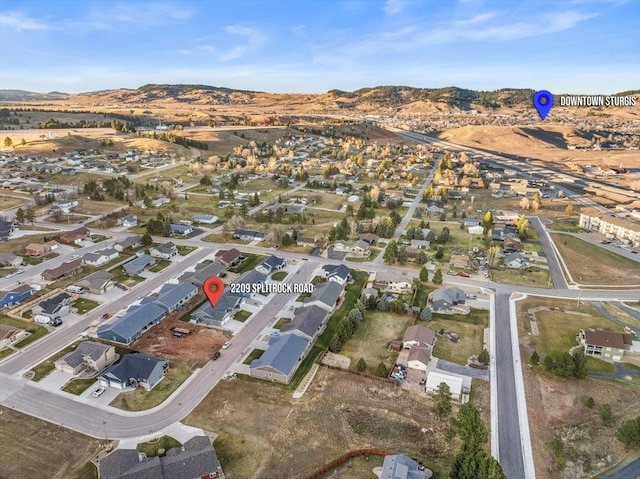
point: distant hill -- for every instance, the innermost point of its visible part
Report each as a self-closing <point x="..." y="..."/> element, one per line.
<point x="23" y="95"/>
<point x="365" y="99"/>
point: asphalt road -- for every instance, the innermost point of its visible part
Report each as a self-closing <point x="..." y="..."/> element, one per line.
<point x="555" y="270"/>
<point x="509" y="435"/>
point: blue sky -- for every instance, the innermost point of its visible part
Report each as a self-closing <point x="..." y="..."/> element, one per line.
<point x="570" y="46"/>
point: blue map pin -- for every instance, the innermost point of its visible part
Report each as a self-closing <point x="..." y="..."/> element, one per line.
<point x="543" y="101"/>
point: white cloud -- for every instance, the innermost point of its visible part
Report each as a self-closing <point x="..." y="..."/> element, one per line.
<point x="18" y="21"/>
<point x="254" y="39"/>
<point x="483" y="17"/>
<point x="393" y="7"/>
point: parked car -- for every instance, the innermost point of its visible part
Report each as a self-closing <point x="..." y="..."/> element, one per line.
<point x="216" y="355"/>
<point x="75" y="256"/>
<point x="464" y="275"/>
<point x="226" y="345"/>
<point x="275" y="333"/>
<point x="98" y="392"/>
<point x="105" y="316"/>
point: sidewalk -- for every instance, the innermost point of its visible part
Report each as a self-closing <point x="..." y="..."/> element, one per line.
<point x="306" y="382"/>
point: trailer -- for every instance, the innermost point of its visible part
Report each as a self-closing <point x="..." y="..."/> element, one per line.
<point x="181" y="331"/>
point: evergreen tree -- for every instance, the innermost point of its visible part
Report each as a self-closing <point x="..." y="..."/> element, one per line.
<point x="439" y="253"/>
<point x="437" y="277"/>
<point x="20" y="215"/>
<point x="30" y="215"/>
<point x="442" y="401"/>
<point x="421" y="257"/>
<point x="535" y="358"/>
<point x="629" y="433"/>
<point x="146" y="239"/>
<point x="424" y="274"/>
<point x="483" y="357"/>
<point x="383" y="304"/>
<point x="426" y="314"/>
<point x="361" y="365"/>
<point x="382" y="370"/>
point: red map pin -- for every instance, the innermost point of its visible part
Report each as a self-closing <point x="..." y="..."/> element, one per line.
<point x="213" y="288"/>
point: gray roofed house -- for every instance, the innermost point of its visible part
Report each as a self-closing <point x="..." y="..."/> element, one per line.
<point x="250" y="277"/>
<point x="88" y="354"/>
<point x="95" y="259"/>
<point x="128" y="221"/>
<point x="129" y="327"/>
<point x="10" y="259"/>
<point x="54" y="307"/>
<point x="308" y="322"/>
<point x="138" y="265"/>
<point x="182" y="230"/>
<point x="219" y="314"/>
<point x="202" y="218"/>
<point x="399" y="466"/>
<point x="340" y="274"/>
<point x="281" y="358"/>
<point x="164" y="251"/>
<point x="422" y="244"/>
<point x="195" y="459"/>
<point x="325" y="295"/>
<point x="135" y="370"/>
<point x="173" y="296"/>
<point x="515" y="260"/>
<point x="202" y="273"/>
<point x="271" y="264"/>
<point x="130" y="242"/>
<point x="98" y="282"/>
<point x="248" y="235"/>
<point x="442" y="299"/>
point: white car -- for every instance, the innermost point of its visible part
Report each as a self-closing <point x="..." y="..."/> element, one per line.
<point x="75" y="256"/>
<point x="98" y="392"/>
<point x="226" y="345"/>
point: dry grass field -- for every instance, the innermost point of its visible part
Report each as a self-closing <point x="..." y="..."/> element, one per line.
<point x="31" y="446"/>
<point x="590" y="264"/>
<point x="263" y="429"/>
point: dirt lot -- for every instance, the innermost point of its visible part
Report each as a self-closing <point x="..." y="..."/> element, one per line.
<point x="31" y="446"/>
<point x="263" y="429"/>
<point x="556" y="408"/>
<point x="197" y="346"/>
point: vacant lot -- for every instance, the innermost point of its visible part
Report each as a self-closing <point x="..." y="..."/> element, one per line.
<point x="469" y="329"/>
<point x="263" y="429"/>
<point x="8" y="202"/>
<point x="197" y="346"/>
<point x="31" y="446"/>
<point x="371" y="339"/>
<point x="590" y="264"/>
<point x="533" y="277"/>
<point x="556" y="406"/>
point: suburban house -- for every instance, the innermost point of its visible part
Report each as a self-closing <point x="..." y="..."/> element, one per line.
<point x="135" y="321"/>
<point x="454" y="382"/>
<point x="65" y="269"/>
<point x="10" y="259"/>
<point x="6" y="227"/>
<point x="173" y="296"/>
<point x="420" y="244"/>
<point x="135" y="370"/>
<point x="248" y="235"/>
<point x="605" y="345"/>
<point x="358" y="248"/>
<point x="36" y="250"/>
<point x="195" y="459"/>
<point x="399" y="466"/>
<point x="9" y="336"/>
<point x="512" y="245"/>
<point x="53" y="307"/>
<point x="130" y="242"/>
<point x="160" y="202"/>
<point x="220" y="314"/>
<point x="468" y="222"/>
<point x="341" y="274"/>
<point x="309" y="242"/>
<point x="515" y="260"/>
<point x="138" y="265"/>
<point x="281" y="358"/>
<point x="326" y="296"/>
<point x="229" y="258"/>
<point x="419" y="358"/>
<point x="129" y="221"/>
<point x="181" y="230"/>
<point x="95" y="259"/>
<point x="89" y="355"/>
<point x="370" y="238"/>
<point x="442" y="299"/>
<point x="204" y="219"/>
<point x="475" y="230"/>
<point x="308" y="322"/>
<point x="271" y="265"/>
<point x="420" y="341"/>
<point x="394" y="282"/>
<point x="98" y="282"/>
<point x="12" y="297"/>
<point x="65" y="206"/>
<point x="203" y="272"/>
<point x="164" y="251"/>
<point x="610" y="226"/>
<point x="248" y="279"/>
<point x="76" y="236"/>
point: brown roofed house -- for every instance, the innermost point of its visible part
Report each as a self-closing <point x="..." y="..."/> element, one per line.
<point x="418" y="336"/>
<point x="75" y="235"/>
<point x="606" y="345"/>
<point x="65" y="269"/>
<point x="512" y="245"/>
<point x="229" y="257"/>
<point x="35" y="250"/>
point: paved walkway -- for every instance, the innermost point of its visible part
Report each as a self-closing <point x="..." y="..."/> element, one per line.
<point x="621" y="372"/>
<point x="606" y="314"/>
<point x="306" y="382"/>
<point x="464" y="370"/>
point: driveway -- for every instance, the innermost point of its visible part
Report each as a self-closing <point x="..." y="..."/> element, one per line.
<point x="55" y="380"/>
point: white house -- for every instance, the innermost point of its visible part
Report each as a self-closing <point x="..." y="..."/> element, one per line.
<point x="353" y="248"/>
<point x="394" y="282"/>
<point x="454" y="382"/>
<point x="129" y="221"/>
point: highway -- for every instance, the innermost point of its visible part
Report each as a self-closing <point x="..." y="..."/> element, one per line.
<point x="555" y="269"/>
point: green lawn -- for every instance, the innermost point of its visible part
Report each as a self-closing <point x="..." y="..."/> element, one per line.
<point x="533" y="277"/>
<point x="5" y="352"/>
<point x="469" y="329"/>
<point x="371" y="339"/>
<point x="84" y="305"/>
<point x="78" y="386"/>
<point x="255" y="354"/>
<point x="185" y="250"/>
<point x="46" y="366"/>
<point x="250" y="261"/>
<point x="88" y="471"/>
<point x="281" y="322"/>
<point x="140" y="399"/>
<point x="421" y="295"/>
<point x="160" y="265"/>
<point x="36" y="331"/>
<point x="599" y="366"/>
<point x="151" y="448"/>
<point x="279" y="276"/>
<point x="242" y="316"/>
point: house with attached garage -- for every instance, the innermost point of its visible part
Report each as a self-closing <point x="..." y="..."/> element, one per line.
<point x="394" y="282"/>
<point x="173" y="296"/>
<point x="129" y="221"/>
<point x="341" y="274"/>
<point x="36" y="250"/>
<point x="138" y="265"/>
<point x="220" y="314"/>
<point x="13" y="296"/>
<point x="164" y="251"/>
<point x="53" y="307"/>
<point x="420" y="341"/>
<point x="271" y="265"/>
<point x="606" y="345"/>
<point x="399" y="466"/>
<point x="9" y="336"/>
<point x="326" y="296"/>
<point x="309" y="323"/>
<point x="229" y="258"/>
<point x="95" y="259"/>
<point x="203" y="272"/>
<point x="129" y="327"/>
<point x="128" y="243"/>
<point x="133" y="371"/>
<point x="76" y="236"/>
<point x="65" y="269"/>
<point x="444" y="298"/>
<point x="248" y="235"/>
<point x="357" y="248"/>
<point x="181" y="230"/>
<point x="10" y="259"/>
<point x="281" y="359"/>
<point x="515" y="260"/>
<point x="98" y="282"/>
<point x="88" y="355"/>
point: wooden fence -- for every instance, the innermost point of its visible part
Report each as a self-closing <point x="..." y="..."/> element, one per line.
<point x="345" y="457"/>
